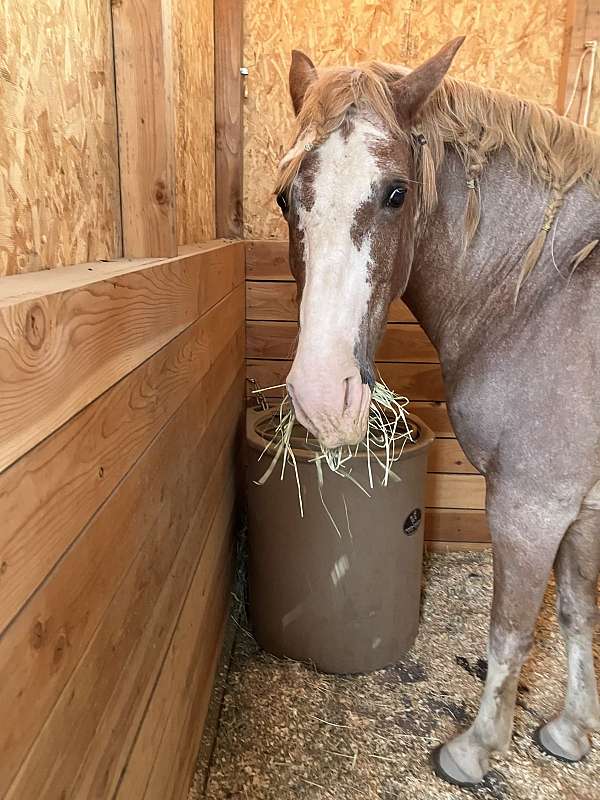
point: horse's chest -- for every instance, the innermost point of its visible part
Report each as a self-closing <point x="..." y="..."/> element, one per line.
<point x="477" y="405"/>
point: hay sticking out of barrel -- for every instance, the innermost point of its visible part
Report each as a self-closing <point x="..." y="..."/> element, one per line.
<point x="387" y="433"/>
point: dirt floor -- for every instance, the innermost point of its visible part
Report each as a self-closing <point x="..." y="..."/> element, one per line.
<point x="287" y="732"/>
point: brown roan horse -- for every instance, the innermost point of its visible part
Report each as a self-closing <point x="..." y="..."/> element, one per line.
<point x="483" y="211"/>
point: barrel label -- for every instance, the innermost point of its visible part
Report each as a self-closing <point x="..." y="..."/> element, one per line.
<point x="412" y="522"/>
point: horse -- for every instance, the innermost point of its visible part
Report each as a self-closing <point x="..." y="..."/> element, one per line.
<point x="483" y="211"/>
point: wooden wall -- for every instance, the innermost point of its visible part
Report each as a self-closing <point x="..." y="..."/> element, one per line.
<point x="193" y="56"/>
<point x="515" y="45"/>
<point x="59" y="165"/>
<point x="59" y="181"/>
<point x="122" y="395"/>
<point x="407" y="361"/>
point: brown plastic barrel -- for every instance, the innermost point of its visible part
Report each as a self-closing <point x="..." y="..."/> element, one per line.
<point x="346" y="602"/>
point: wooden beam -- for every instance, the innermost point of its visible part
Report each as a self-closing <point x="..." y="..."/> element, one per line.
<point x="146" y="123"/>
<point x="229" y="118"/>
<point x="582" y="25"/>
<point x="61" y="347"/>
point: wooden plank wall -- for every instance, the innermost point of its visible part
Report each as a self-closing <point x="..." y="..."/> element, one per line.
<point x="117" y="514"/>
<point x="407" y="361"/>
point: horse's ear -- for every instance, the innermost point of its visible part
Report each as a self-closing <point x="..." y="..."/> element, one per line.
<point x="411" y="92"/>
<point x="302" y="74"/>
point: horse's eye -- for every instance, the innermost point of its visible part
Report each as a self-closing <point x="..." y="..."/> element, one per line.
<point x="282" y="202"/>
<point x="396" y="197"/>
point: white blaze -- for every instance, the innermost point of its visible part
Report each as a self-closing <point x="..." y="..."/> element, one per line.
<point x="337" y="288"/>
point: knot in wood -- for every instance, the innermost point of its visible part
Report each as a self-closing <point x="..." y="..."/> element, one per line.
<point x="35" y="326"/>
<point x="160" y="193"/>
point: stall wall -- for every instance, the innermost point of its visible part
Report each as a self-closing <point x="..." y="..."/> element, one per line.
<point x="516" y="46"/>
<point x="193" y="56"/>
<point x="123" y="389"/>
<point x="59" y="180"/>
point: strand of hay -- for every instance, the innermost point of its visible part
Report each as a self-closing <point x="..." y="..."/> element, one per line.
<point x="387" y="433"/>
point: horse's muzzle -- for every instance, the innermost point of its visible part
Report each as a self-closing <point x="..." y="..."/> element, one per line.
<point x="333" y="405"/>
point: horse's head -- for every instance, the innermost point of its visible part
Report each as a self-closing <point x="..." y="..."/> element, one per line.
<point x="348" y="192"/>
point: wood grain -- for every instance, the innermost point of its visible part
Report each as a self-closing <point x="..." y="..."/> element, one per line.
<point x="113" y="575"/>
<point x="455" y="491"/>
<point x="84" y="460"/>
<point x="59" y="166"/>
<point x="456" y="547"/>
<point x="143" y="53"/>
<point x="60" y="351"/>
<point x="401" y="342"/>
<point x="448" y="524"/>
<point x="582" y="25"/>
<point x="435" y="415"/>
<point x="267" y="260"/>
<point x="158" y="765"/>
<point x="194" y="93"/>
<point x="276" y="300"/>
<point x="446" y="455"/>
<point x="416" y="381"/>
<point x="228" y="15"/>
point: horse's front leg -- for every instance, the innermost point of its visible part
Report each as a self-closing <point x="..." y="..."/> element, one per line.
<point x="577" y="567"/>
<point x="525" y="537"/>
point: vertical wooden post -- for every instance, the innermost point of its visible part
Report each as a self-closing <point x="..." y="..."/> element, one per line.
<point x="229" y="154"/>
<point x="146" y="118"/>
<point x="582" y="25"/>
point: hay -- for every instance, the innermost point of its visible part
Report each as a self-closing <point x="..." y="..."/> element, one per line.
<point x="387" y="433"/>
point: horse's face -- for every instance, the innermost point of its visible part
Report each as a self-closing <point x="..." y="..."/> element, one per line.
<point x="351" y="212"/>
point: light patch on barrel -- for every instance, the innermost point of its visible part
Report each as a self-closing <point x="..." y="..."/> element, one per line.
<point x="340" y="568"/>
<point x="292" y="615"/>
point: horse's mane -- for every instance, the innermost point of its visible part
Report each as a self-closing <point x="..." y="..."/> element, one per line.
<point x="474" y="120"/>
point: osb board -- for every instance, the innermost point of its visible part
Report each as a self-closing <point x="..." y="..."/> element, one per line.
<point x="59" y="182"/>
<point x="515" y="45"/>
<point x="193" y="50"/>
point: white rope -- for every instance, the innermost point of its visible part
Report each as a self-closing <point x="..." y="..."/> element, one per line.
<point x="590" y="49"/>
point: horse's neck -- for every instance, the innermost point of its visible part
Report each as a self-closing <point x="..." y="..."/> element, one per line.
<point x="460" y="295"/>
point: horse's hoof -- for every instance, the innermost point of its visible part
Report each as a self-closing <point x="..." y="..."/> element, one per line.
<point x="569" y="752"/>
<point x="446" y="768"/>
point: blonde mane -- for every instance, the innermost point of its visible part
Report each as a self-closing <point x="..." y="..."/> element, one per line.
<point x="474" y="120"/>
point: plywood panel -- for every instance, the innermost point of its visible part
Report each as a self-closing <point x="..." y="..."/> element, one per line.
<point x="401" y="342"/>
<point x="583" y="25"/>
<point x="59" y="183"/>
<point x="277" y="300"/>
<point x="515" y="45"/>
<point x="158" y="495"/>
<point x="194" y="86"/>
<point x="116" y="429"/>
<point x="60" y="351"/>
